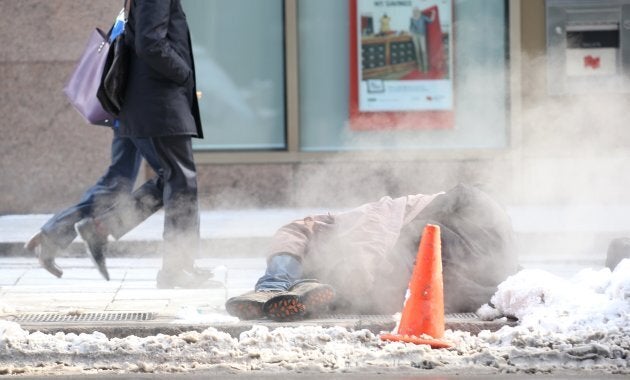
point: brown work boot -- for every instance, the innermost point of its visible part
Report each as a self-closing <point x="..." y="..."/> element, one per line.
<point x="249" y="305"/>
<point x="285" y="306"/>
<point x="306" y="298"/>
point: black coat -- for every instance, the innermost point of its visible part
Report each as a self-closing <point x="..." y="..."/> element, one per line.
<point x="160" y="99"/>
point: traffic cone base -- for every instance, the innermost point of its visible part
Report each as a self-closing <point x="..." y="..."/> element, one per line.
<point x="434" y="343"/>
<point x="423" y="311"/>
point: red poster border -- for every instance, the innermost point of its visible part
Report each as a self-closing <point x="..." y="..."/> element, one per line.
<point x="372" y="121"/>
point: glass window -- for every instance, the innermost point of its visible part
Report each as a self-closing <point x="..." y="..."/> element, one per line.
<point x="239" y="59"/>
<point x="480" y="77"/>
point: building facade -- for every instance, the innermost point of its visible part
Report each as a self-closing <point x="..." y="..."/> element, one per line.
<point x="330" y="103"/>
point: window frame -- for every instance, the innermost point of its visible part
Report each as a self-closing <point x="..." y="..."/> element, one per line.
<point x="292" y="153"/>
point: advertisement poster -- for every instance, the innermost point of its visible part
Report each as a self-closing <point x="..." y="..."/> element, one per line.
<point x="401" y="64"/>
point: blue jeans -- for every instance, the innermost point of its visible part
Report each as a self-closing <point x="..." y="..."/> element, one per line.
<point x="114" y="185"/>
<point x="283" y="271"/>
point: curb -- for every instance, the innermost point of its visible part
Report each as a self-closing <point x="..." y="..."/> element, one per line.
<point x="209" y="247"/>
<point x="526" y="243"/>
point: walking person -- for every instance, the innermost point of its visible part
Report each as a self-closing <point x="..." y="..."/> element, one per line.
<point x="160" y="103"/>
<point x="113" y="188"/>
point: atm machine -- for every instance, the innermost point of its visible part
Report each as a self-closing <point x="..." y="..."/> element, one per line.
<point x="588" y="46"/>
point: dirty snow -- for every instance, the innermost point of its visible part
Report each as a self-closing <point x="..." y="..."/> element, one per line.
<point x="577" y="324"/>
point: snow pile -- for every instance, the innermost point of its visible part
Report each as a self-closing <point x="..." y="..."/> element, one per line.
<point x="564" y="325"/>
<point x="583" y="322"/>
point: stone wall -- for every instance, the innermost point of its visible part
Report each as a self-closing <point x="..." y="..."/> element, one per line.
<point x="49" y="154"/>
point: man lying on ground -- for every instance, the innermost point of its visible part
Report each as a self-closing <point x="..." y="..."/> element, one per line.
<point x="363" y="258"/>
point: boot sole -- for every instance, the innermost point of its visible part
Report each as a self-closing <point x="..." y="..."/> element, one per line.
<point x="317" y="300"/>
<point x="284" y="307"/>
<point x="290" y="306"/>
<point x="245" y="310"/>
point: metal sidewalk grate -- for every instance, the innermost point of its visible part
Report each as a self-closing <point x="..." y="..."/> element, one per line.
<point x="355" y="316"/>
<point x="390" y="317"/>
<point x="83" y="317"/>
<point x="461" y="316"/>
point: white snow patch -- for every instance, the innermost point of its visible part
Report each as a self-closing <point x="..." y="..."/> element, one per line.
<point x="579" y="324"/>
<point x="190" y="314"/>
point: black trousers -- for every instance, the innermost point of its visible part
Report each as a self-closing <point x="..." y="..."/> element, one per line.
<point x="174" y="187"/>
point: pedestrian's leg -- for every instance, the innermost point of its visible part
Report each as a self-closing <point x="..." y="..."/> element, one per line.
<point x="125" y="214"/>
<point x="145" y="200"/>
<point x="181" y="215"/>
<point x="58" y="232"/>
<point x="119" y="220"/>
<point x="181" y="208"/>
<point x="113" y="186"/>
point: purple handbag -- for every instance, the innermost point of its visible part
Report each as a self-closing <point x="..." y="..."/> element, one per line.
<point x="86" y="78"/>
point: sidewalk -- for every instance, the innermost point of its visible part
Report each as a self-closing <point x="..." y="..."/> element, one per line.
<point x="130" y="304"/>
<point x="234" y="244"/>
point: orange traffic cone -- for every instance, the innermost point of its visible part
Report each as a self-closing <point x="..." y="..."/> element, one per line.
<point x="423" y="312"/>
